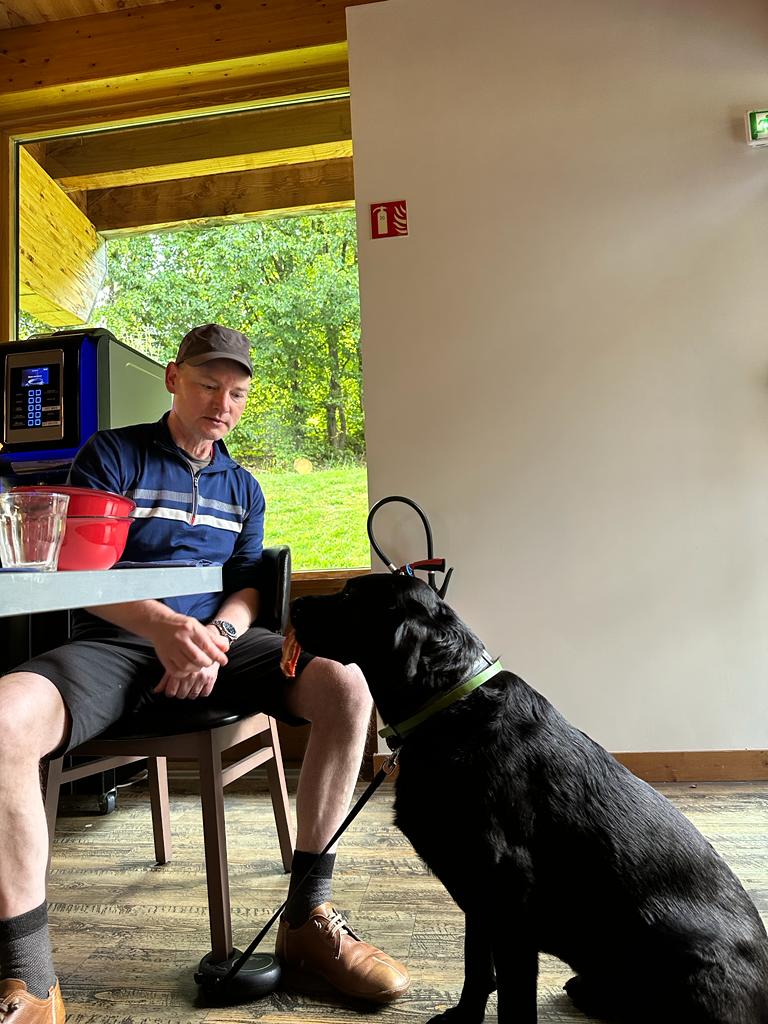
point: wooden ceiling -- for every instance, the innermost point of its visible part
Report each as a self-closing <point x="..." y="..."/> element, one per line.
<point x="284" y="146"/>
<point x="14" y="13"/>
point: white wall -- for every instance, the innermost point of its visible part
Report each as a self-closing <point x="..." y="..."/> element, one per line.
<point x="566" y="361"/>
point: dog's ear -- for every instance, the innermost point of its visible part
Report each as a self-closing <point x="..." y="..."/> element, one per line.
<point x="409" y="638"/>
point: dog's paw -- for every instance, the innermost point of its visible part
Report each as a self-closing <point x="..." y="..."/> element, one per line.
<point x="457" y="1015"/>
<point x="588" y="997"/>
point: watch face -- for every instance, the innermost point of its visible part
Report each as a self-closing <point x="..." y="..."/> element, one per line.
<point x="226" y="629"/>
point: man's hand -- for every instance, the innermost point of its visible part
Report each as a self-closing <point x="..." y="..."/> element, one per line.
<point x="197" y="684"/>
<point x="184" y="646"/>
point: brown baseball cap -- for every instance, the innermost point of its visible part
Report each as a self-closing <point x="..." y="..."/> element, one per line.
<point x="212" y="341"/>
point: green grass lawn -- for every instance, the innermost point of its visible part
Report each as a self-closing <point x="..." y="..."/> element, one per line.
<point x="321" y="515"/>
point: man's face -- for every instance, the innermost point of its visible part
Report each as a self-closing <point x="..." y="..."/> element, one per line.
<point x="208" y="400"/>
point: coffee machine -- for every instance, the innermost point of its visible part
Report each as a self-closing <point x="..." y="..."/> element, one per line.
<point x="58" y="389"/>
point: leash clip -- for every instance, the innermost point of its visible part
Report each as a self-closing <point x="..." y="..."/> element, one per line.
<point x="391" y="763"/>
<point x="431" y="564"/>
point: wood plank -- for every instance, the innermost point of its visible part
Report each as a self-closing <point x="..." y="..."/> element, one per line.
<point x="697" y="765"/>
<point x="222" y="197"/>
<point x="32" y="12"/>
<point x="62" y="259"/>
<point x="179" y="33"/>
<point x="683" y="765"/>
<point x="231" y="142"/>
<point x="242" y="83"/>
<point x="322" y="581"/>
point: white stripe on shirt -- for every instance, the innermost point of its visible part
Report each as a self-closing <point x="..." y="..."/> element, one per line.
<point x="159" y="512"/>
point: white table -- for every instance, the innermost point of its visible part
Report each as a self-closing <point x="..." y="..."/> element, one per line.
<point x="28" y="592"/>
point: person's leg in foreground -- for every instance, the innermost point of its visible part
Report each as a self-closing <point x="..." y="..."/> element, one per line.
<point x="35" y="723"/>
<point x="312" y="935"/>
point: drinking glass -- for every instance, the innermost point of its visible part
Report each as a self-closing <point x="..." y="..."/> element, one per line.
<point x="32" y="527"/>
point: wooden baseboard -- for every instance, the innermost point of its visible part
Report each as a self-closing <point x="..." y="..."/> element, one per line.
<point x="698" y="765"/>
<point x="685" y="765"/>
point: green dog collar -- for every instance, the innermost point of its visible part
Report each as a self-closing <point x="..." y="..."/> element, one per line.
<point x="440" y="703"/>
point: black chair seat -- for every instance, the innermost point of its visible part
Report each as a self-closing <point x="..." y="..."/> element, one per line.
<point x="172" y="718"/>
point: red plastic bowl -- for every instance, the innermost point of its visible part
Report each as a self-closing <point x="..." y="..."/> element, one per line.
<point x="83" y="501"/>
<point x="93" y="542"/>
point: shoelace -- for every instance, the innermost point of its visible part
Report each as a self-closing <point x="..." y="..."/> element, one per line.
<point x="7" y="1006"/>
<point x="337" y="924"/>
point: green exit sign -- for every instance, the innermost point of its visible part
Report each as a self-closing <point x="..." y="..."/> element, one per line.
<point x="757" y="127"/>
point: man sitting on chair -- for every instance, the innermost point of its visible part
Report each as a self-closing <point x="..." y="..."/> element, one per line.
<point x="193" y="502"/>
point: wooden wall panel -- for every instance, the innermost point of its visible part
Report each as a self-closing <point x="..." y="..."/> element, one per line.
<point x="62" y="259"/>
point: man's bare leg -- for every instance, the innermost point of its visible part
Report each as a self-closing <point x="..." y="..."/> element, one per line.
<point x="34" y="721"/>
<point x="336" y="700"/>
<point x="312" y="935"/>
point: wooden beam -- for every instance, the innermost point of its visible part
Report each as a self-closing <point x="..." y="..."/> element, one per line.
<point x="179" y="33"/>
<point x="317" y="73"/>
<point x="222" y="197"/>
<point x="62" y="260"/>
<point x="193" y="148"/>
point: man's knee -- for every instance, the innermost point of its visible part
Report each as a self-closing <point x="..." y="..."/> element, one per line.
<point x="335" y="691"/>
<point x="34" y="717"/>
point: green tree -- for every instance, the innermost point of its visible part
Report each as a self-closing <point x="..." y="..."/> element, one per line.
<point x="291" y="285"/>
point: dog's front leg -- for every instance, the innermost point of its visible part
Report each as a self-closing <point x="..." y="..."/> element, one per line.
<point x="479" y="978"/>
<point x="517" y="969"/>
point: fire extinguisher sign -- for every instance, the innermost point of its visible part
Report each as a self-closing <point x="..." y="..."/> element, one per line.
<point x="389" y="220"/>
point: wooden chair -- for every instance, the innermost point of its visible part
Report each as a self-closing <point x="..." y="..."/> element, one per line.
<point x="203" y="734"/>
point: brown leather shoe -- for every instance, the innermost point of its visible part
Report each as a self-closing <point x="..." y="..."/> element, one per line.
<point x="18" y="1006"/>
<point x="326" y="945"/>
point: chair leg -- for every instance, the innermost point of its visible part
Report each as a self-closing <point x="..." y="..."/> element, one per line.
<point x="280" y="803"/>
<point x="160" y="804"/>
<point x="215" y="839"/>
<point x="51" y="799"/>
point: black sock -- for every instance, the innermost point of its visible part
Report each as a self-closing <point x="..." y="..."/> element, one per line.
<point x="25" y="951"/>
<point x="316" y="889"/>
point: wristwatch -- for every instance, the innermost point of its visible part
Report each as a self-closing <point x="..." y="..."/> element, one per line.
<point x="226" y="629"/>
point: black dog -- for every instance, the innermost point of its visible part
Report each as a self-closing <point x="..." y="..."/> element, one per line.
<point x="542" y="838"/>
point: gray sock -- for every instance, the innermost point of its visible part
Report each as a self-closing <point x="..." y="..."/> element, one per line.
<point x="25" y="951"/>
<point x="304" y="896"/>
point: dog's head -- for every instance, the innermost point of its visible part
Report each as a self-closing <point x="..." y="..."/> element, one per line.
<point x="407" y="641"/>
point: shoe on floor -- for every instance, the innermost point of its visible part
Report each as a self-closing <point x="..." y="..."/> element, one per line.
<point x="18" y="1006"/>
<point x="326" y="945"/>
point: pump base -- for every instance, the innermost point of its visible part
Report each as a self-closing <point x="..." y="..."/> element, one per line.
<point x="259" y="976"/>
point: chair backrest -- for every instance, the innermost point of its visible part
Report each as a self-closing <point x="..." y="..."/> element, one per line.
<point x="274" y="588"/>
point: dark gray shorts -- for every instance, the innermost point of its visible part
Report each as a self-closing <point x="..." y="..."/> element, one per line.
<point x="101" y="679"/>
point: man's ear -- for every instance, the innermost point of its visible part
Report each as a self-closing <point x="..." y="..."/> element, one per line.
<point x="409" y="638"/>
<point x="171" y="377"/>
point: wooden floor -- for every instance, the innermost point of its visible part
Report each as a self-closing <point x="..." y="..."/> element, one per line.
<point x="127" y="934"/>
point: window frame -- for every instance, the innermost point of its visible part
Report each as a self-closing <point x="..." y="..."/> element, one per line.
<point x="62" y="121"/>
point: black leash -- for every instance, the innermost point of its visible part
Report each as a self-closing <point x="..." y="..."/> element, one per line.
<point x="386" y="769"/>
